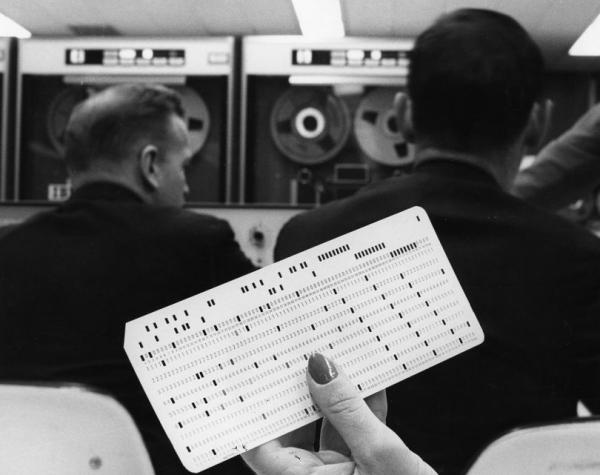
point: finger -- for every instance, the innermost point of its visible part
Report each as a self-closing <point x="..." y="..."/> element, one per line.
<point x="403" y="114"/>
<point x="375" y="448"/>
<point x="266" y="459"/>
<point x="304" y="437"/>
<point x="378" y="404"/>
<point x="346" y="468"/>
<point x="332" y="440"/>
<point x="274" y="459"/>
<point x="342" y="404"/>
<point x="399" y="100"/>
<point x="332" y="457"/>
<point x="546" y="121"/>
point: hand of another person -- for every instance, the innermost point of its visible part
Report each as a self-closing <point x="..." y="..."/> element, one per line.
<point x="539" y="124"/>
<point x="567" y="168"/>
<point x="371" y="447"/>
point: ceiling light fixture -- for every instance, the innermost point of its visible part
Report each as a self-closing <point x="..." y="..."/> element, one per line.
<point x="588" y="44"/>
<point x="320" y="18"/>
<point x="9" y="27"/>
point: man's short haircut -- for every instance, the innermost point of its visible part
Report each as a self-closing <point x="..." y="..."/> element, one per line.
<point x="109" y="124"/>
<point x="474" y="76"/>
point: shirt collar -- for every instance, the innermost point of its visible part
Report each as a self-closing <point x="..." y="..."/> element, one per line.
<point x="105" y="191"/>
<point x="450" y="168"/>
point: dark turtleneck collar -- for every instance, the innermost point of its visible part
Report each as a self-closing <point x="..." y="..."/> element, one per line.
<point x="454" y="169"/>
<point x="105" y="191"/>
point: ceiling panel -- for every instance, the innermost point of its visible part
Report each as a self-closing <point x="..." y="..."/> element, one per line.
<point x="268" y="17"/>
<point x="410" y="18"/>
<point x="37" y="18"/>
<point x="361" y="20"/>
<point x="222" y="16"/>
<point x="527" y="13"/>
<point x="390" y="17"/>
<point x="455" y="4"/>
<point x="126" y="17"/>
<point x="167" y="17"/>
<point x="557" y="35"/>
<point x="243" y="17"/>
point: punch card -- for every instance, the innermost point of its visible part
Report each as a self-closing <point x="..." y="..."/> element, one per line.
<point x="225" y="370"/>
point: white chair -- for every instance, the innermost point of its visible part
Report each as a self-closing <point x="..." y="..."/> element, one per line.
<point x="67" y="430"/>
<point x="560" y="448"/>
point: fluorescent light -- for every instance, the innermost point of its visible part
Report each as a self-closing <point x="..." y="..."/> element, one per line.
<point x="320" y="18"/>
<point x="588" y="44"/>
<point x="10" y="27"/>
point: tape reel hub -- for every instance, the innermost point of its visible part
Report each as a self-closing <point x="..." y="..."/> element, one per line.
<point x="376" y="129"/>
<point x="309" y="125"/>
<point x="197" y="117"/>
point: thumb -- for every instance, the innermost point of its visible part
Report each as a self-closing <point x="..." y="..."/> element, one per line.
<point x="342" y="405"/>
<point x="375" y="448"/>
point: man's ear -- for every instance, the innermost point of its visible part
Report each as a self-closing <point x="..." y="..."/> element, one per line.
<point x="150" y="172"/>
<point x="403" y="107"/>
<point x="538" y="126"/>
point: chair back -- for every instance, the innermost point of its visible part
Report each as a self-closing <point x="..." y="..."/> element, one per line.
<point x="566" y="447"/>
<point x="67" y="430"/>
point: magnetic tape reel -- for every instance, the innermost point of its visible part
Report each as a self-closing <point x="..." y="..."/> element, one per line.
<point x="59" y="111"/>
<point x="197" y="116"/>
<point x="309" y="125"/>
<point x="376" y="129"/>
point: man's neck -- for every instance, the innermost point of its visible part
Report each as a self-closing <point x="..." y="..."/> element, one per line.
<point x="81" y="179"/>
<point x="496" y="164"/>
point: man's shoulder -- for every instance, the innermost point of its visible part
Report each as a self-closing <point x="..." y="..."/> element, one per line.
<point x="186" y="223"/>
<point x="571" y="236"/>
<point x="333" y="219"/>
<point x="124" y="221"/>
<point x="371" y="198"/>
<point x="37" y="224"/>
<point x="445" y="204"/>
<point x="554" y="227"/>
<point x="185" y="216"/>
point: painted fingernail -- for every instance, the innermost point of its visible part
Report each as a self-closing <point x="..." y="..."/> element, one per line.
<point x="321" y="369"/>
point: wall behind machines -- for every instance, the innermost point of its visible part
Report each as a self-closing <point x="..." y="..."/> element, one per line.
<point x="54" y="75"/>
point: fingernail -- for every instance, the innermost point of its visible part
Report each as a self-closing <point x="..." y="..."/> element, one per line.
<point x="321" y="369"/>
